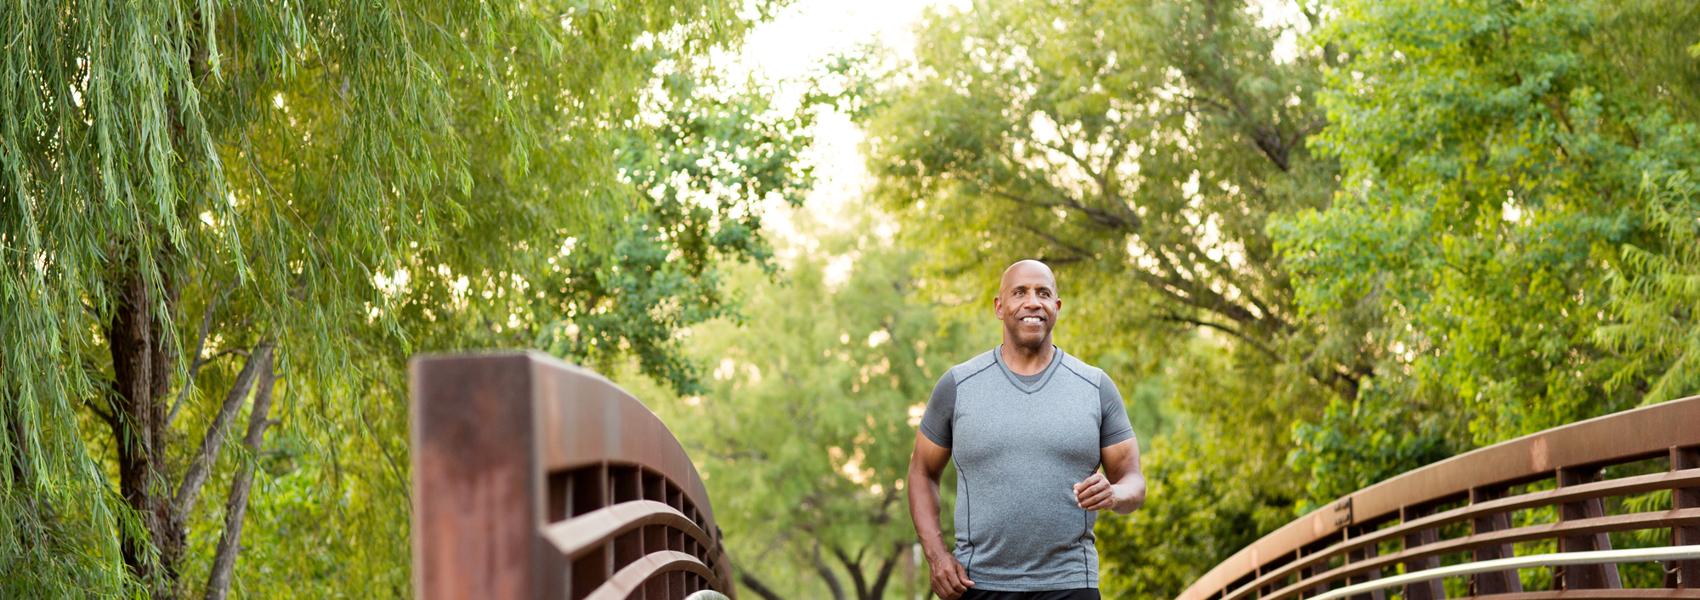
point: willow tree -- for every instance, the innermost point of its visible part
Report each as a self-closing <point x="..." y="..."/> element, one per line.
<point x="203" y="203"/>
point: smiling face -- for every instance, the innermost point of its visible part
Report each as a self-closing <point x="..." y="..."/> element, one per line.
<point x="1027" y="303"/>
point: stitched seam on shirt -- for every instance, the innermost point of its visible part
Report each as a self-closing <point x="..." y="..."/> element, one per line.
<point x="1094" y="384"/>
<point x="1086" y="527"/>
<point x="971" y="376"/>
<point x="968" y="526"/>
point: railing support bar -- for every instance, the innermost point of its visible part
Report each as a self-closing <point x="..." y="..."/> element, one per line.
<point x="1359" y="555"/>
<point x="1421" y="589"/>
<point x="1521" y="562"/>
<point x="1492" y="582"/>
<point x="1684" y="573"/>
<point x="1584" y="575"/>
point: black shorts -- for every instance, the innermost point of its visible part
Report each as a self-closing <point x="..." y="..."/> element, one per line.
<point x="1077" y="594"/>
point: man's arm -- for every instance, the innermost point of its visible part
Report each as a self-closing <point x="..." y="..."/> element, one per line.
<point x="926" y="464"/>
<point x="1121" y="487"/>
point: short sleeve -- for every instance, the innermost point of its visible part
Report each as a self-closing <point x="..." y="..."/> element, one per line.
<point x="941" y="410"/>
<point x="1114" y="427"/>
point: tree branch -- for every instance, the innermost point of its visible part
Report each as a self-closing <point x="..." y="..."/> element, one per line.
<point x="1077" y="252"/>
<point x="196" y="364"/>
<point x="750" y="581"/>
<point x="1172" y="317"/>
<point x="194" y="370"/>
<point x="884" y="515"/>
<point x="105" y="415"/>
<point x="1097" y="215"/>
<point x="230" y="543"/>
<point x="1221" y="271"/>
<point x="1264" y="136"/>
<point x="825" y="572"/>
<point x="1098" y="175"/>
<point x="397" y="477"/>
<point x="105" y="407"/>
<point x="189" y="491"/>
<point x="1269" y="141"/>
<point x="1313" y="17"/>
<point x="884" y="577"/>
<point x="1199" y="295"/>
<point x="854" y="568"/>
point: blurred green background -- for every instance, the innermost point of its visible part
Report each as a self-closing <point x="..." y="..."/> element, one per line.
<point x="1316" y="243"/>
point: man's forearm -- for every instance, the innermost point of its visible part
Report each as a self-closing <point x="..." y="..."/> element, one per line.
<point x="1129" y="494"/>
<point x="924" y="511"/>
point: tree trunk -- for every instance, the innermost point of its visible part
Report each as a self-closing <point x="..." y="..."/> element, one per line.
<point x="854" y="568"/>
<point x="853" y="565"/>
<point x="141" y="365"/>
<point x="864" y="589"/>
<point x="884" y="576"/>
<point x="200" y="469"/>
<point x="230" y="543"/>
<point x="825" y="572"/>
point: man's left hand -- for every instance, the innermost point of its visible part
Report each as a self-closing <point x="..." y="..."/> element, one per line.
<point x="1095" y="493"/>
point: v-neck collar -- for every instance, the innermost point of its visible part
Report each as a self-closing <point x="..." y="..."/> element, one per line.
<point x="1044" y="376"/>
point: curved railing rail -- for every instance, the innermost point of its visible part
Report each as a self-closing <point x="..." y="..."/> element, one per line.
<point x="1465" y="519"/>
<point x="533" y="478"/>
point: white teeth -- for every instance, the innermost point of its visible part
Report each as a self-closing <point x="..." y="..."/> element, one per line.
<point x="1031" y="319"/>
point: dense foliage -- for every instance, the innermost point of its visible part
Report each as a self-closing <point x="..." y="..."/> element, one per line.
<point x="1340" y="240"/>
<point x="203" y="202"/>
<point x="1317" y="243"/>
<point x="1516" y="213"/>
<point x="804" y="432"/>
<point x="1142" y="149"/>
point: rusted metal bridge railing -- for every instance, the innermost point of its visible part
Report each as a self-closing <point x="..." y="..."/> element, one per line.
<point x="1547" y="504"/>
<point x="533" y="479"/>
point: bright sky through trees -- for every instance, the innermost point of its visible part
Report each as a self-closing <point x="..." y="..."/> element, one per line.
<point x="788" y="49"/>
<point x="793" y="45"/>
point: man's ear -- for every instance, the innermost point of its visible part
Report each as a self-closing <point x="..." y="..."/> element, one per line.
<point x="997" y="306"/>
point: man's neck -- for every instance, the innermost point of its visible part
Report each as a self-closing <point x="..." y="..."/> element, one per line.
<point x="1027" y="361"/>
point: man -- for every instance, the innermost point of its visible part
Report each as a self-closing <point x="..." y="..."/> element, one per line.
<point x="1028" y="427"/>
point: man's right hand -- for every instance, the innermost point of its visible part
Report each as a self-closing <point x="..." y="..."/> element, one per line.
<point x="950" y="580"/>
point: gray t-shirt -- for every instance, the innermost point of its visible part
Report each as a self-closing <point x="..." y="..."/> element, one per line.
<point x="1019" y="448"/>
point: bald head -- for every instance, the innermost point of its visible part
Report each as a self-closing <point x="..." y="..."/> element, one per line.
<point x="1026" y="269"/>
<point x="1027" y="303"/>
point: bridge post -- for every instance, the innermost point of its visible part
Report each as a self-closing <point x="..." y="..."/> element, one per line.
<point x="1497" y="582"/>
<point x="1422" y="590"/>
<point x="533" y="478"/>
<point x="1684" y="573"/>
<point x="1360" y="554"/>
<point x="1578" y="577"/>
<point x="1308" y="572"/>
<point x="476" y="478"/>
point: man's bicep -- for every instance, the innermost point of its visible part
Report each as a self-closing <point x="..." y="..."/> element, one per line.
<point x="929" y="456"/>
<point x="1120" y="459"/>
